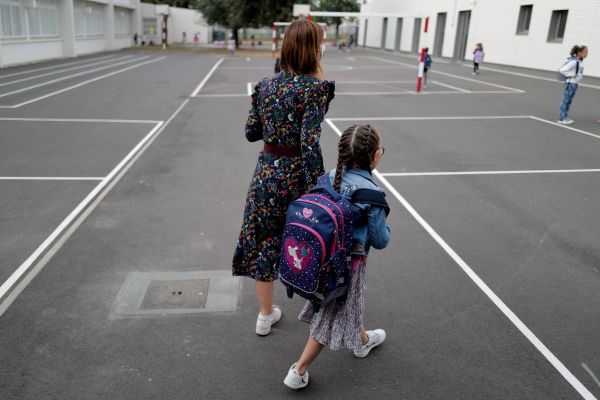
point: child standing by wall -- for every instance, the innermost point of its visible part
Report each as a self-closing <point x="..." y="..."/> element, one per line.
<point x="478" y="56"/>
<point x="572" y="70"/>
<point x="339" y="324"/>
<point x="426" y="66"/>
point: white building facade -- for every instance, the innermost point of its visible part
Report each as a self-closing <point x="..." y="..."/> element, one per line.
<point x="37" y="30"/>
<point x="525" y="33"/>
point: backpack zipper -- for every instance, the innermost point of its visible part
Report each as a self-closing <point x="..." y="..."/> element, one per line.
<point x="332" y="215"/>
<point x="341" y="213"/>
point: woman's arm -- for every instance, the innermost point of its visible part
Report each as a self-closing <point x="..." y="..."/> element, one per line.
<point x="254" y="127"/>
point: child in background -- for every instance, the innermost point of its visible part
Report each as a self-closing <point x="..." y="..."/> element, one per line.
<point x="230" y="45"/>
<point x="339" y="324"/>
<point x="427" y="66"/>
<point x="572" y="70"/>
<point x="478" y="56"/>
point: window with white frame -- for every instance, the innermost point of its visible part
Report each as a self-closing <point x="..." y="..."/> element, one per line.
<point x="30" y="19"/>
<point x="42" y="20"/>
<point x="558" y="24"/>
<point x="524" y="19"/>
<point x="122" y="21"/>
<point x="89" y="19"/>
<point x="12" y="19"/>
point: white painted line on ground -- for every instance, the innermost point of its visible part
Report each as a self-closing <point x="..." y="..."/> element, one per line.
<point x="62" y="78"/>
<point x="249" y="88"/>
<point x="121" y="121"/>
<point x="199" y="96"/>
<point x="34" y="263"/>
<point x="556" y="363"/>
<point x="423" y="93"/>
<point x="62" y="70"/>
<point x="351" y="58"/>
<point x="55" y="66"/>
<point x="374" y="82"/>
<point x="84" y="83"/>
<point x="565" y="126"/>
<point x="475" y="117"/>
<point x="541" y="78"/>
<point x="539" y="171"/>
<point x="452" y="87"/>
<point x="49" y="178"/>
<point x="589" y="371"/>
<point x="247" y="58"/>
<point x="207" y="77"/>
<point x="438" y="72"/>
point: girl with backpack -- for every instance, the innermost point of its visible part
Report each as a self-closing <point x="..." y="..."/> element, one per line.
<point x="287" y="111"/>
<point x="339" y="323"/>
<point x="572" y="71"/>
<point x="478" y="56"/>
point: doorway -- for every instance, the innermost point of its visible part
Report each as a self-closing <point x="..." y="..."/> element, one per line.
<point x="462" y="35"/>
<point x="398" y="34"/>
<point x="440" y="28"/>
<point x="384" y="33"/>
<point x="416" y="36"/>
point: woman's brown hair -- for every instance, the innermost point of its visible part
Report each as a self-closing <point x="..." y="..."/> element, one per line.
<point x="301" y="49"/>
<point x="356" y="149"/>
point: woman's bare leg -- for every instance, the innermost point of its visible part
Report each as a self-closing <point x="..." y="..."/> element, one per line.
<point x="264" y="292"/>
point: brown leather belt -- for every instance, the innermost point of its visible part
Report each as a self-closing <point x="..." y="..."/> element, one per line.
<point x="282" y="151"/>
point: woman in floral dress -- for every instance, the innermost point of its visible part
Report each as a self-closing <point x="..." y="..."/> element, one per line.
<point x="287" y="111"/>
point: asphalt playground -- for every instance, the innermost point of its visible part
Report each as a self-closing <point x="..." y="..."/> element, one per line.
<point x="122" y="183"/>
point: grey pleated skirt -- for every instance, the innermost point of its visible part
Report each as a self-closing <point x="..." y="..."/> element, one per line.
<point x="337" y="325"/>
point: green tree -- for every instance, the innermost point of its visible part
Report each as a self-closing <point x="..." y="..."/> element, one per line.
<point x="237" y="14"/>
<point x="339" y="6"/>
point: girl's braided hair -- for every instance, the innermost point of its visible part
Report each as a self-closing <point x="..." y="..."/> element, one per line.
<point x="356" y="149"/>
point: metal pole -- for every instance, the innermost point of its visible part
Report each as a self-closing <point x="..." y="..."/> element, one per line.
<point x="422" y="61"/>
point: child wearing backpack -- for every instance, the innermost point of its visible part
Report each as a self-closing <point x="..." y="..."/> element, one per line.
<point x="571" y="73"/>
<point x="338" y="324"/>
<point x="478" y="56"/>
<point x="426" y="66"/>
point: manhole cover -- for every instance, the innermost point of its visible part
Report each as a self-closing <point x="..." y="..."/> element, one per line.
<point x="160" y="293"/>
<point x="176" y="294"/>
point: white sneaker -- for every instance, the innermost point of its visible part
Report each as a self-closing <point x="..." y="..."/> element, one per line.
<point x="566" y="121"/>
<point x="294" y="380"/>
<point x="264" y="323"/>
<point x="376" y="337"/>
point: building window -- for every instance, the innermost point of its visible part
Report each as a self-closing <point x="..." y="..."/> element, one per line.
<point x="43" y="19"/>
<point x="89" y="19"/>
<point x="558" y="24"/>
<point x="122" y="22"/>
<point x="524" y="19"/>
<point x="12" y="19"/>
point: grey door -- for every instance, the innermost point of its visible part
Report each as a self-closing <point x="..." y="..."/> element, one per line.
<point x="416" y="35"/>
<point x="398" y="34"/>
<point x="462" y="35"/>
<point x="384" y="33"/>
<point x="440" y="28"/>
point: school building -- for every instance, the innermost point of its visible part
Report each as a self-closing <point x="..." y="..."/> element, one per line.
<point x="525" y="33"/>
<point x="37" y="30"/>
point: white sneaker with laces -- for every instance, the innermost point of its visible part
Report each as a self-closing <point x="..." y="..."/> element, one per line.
<point x="264" y="322"/>
<point x="566" y="121"/>
<point x="294" y="380"/>
<point x="376" y="337"/>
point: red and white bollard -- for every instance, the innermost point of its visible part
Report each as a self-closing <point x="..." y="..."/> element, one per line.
<point x="422" y="61"/>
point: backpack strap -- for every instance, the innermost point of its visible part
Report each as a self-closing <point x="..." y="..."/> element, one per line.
<point x="323" y="183"/>
<point x="371" y="196"/>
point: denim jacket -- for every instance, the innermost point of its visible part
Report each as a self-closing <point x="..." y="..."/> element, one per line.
<point x="375" y="231"/>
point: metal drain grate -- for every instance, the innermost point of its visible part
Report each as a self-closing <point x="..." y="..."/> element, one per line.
<point x="162" y="295"/>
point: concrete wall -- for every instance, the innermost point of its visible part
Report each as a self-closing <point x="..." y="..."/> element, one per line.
<point x="180" y="20"/>
<point x="494" y="23"/>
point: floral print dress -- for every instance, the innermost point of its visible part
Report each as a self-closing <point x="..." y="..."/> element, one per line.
<point x="286" y="111"/>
